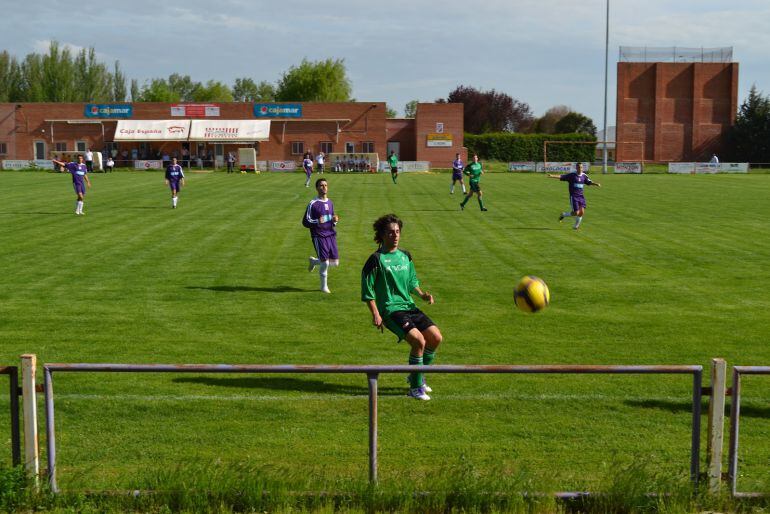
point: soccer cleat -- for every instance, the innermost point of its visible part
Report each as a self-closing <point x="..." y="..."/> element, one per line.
<point x="561" y="217"/>
<point x="418" y="393"/>
<point x="462" y="206"/>
<point x="484" y="209"/>
<point x="311" y="265"/>
<point x="425" y="386"/>
<point x="325" y="290"/>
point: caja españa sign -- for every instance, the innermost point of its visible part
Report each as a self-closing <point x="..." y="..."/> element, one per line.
<point x="108" y="111"/>
<point x="278" y="110"/>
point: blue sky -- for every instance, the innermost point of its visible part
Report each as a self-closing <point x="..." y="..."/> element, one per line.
<point x="542" y="52"/>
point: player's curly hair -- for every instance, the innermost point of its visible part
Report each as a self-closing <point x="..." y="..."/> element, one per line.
<point x="381" y="226"/>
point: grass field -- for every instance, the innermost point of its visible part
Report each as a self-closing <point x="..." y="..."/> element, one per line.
<point x="666" y="270"/>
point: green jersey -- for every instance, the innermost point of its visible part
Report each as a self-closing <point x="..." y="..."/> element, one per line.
<point x="388" y="279"/>
<point x="474" y="171"/>
<point x="393" y="161"/>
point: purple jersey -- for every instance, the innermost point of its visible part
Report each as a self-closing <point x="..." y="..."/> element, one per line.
<point x="318" y="217"/>
<point x="308" y="165"/>
<point x="457" y="165"/>
<point x="576" y="183"/>
<point x="78" y="171"/>
<point x="174" y="173"/>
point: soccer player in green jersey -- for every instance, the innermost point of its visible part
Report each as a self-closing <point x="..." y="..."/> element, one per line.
<point x="387" y="281"/>
<point x="393" y="162"/>
<point x="474" y="170"/>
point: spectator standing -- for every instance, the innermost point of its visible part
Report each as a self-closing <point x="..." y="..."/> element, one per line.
<point x="320" y="163"/>
<point x="89" y="160"/>
<point x="230" y="162"/>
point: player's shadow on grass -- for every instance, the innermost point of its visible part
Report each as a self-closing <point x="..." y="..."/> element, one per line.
<point x="36" y="213"/>
<point x="529" y="228"/>
<point x="307" y="385"/>
<point x="242" y="289"/>
<point x="686" y="406"/>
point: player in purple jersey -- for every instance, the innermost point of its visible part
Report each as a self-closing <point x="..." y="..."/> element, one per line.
<point x="321" y="220"/>
<point x="307" y="164"/>
<point x="174" y="180"/>
<point x="457" y="174"/>
<point x="577" y="180"/>
<point x="79" y="172"/>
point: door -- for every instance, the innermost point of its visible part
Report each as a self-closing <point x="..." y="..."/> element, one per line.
<point x="39" y="149"/>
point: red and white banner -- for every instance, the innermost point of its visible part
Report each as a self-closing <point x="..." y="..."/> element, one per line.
<point x="152" y="130"/>
<point x="148" y="165"/>
<point x="282" y="165"/>
<point x="230" y="130"/>
<point x="628" y="167"/>
<point x="195" y="110"/>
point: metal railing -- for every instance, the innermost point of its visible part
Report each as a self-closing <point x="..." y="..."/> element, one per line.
<point x="372" y="373"/>
<point x="735" y="413"/>
<point x="13" y="375"/>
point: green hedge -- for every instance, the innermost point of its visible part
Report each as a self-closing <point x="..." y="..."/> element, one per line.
<point x="506" y="146"/>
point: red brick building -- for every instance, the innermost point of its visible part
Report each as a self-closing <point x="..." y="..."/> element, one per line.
<point x="41" y="130"/>
<point x="674" y="111"/>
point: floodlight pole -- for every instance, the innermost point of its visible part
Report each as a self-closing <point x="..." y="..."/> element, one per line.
<point x="606" y="66"/>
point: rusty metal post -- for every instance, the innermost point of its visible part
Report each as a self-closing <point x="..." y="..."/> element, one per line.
<point x="735" y="412"/>
<point x="716" y="424"/>
<point x="29" y="401"/>
<point x="13" y="375"/>
<point x="50" y="434"/>
<point x="697" y="384"/>
<point x="372" y="427"/>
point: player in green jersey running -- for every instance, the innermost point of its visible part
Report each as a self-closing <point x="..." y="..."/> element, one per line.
<point x="387" y="281"/>
<point x="474" y="170"/>
<point x="393" y="162"/>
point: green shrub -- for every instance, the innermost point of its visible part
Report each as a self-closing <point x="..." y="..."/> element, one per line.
<point x="506" y="146"/>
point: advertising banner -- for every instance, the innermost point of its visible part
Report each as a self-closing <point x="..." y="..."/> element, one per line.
<point x="278" y="110"/>
<point x="406" y="166"/>
<point x="148" y="165"/>
<point x="44" y="164"/>
<point x="522" y="166"/>
<point x="706" y="167"/>
<point x="681" y="167"/>
<point x="16" y="164"/>
<point x="282" y="165"/>
<point x="108" y="111"/>
<point x="734" y="167"/>
<point x="628" y="167"/>
<point x="195" y="110"/>
<point x="439" y="140"/>
<point x="561" y="167"/>
<point x="152" y="130"/>
<point x="230" y="130"/>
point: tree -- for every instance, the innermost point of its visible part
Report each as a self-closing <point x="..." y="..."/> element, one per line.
<point x="547" y="123"/>
<point x="118" y="84"/>
<point x="577" y="123"/>
<point x="748" y="140"/>
<point x="135" y="91"/>
<point x="322" y="81"/>
<point x="183" y="86"/>
<point x="212" y="91"/>
<point x="158" y="90"/>
<point x="410" y="109"/>
<point x="390" y="113"/>
<point x="246" y="90"/>
<point x="490" y="111"/>
<point x="92" y="80"/>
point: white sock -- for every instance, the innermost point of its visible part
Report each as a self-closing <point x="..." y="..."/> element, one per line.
<point x="578" y="219"/>
<point x="79" y="208"/>
<point x="464" y="189"/>
<point x="452" y="189"/>
<point x="323" y="271"/>
<point x="566" y="214"/>
<point x="174" y="200"/>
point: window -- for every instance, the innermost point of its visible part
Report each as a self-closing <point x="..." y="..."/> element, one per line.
<point x="297" y="147"/>
<point x="80" y="146"/>
<point x="350" y="148"/>
<point x="61" y="147"/>
<point x="3" y="148"/>
<point x="367" y="147"/>
<point x="326" y="147"/>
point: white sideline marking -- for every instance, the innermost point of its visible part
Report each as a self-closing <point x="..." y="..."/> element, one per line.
<point x="344" y="397"/>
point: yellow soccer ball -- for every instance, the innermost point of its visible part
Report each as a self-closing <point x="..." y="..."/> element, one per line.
<point x="531" y="294"/>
